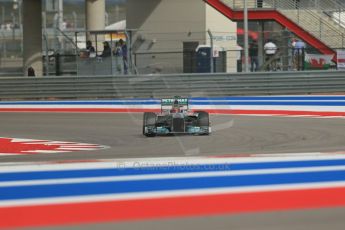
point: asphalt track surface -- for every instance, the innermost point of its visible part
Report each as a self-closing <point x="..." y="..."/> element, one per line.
<point x="231" y="135"/>
<point x="122" y="133"/>
<point x="322" y="219"/>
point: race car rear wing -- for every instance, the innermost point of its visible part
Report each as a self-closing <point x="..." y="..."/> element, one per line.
<point x="167" y="103"/>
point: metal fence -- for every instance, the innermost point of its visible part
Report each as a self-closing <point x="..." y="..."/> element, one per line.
<point x="64" y="49"/>
<point x="128" y="86"/>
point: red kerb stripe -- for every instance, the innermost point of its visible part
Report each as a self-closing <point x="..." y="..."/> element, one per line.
<point x="213" y="111"/>
<point x="184" y="206"/>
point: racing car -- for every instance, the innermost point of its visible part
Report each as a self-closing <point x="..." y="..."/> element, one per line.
<point x="175" y="117"/>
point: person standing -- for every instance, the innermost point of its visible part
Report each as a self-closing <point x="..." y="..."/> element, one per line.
<point x="299" y="54"/>
<point x="91" y="52"/>
<point x="292" y="53"/>
<point x="119" y="57"/>
<point x="253" y="54"/>
<point x="106" y="50"/>
<point x="124" y="55"/>
<point x="270" y="51"/>
<point x="31" y="72"/>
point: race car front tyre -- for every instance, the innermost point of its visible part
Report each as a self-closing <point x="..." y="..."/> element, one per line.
<point x="203" y="120"/>
<point x="149" y="121"/>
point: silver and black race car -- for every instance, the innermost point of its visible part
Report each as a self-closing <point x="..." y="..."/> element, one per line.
<point x="175" y="117"/>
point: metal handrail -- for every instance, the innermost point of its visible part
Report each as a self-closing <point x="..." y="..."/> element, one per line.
<point x="68" y="38"/>
<point x="329" y="7"/>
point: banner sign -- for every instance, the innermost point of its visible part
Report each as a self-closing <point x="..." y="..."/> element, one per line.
<point x="318" y="61"/>
<point x="340" y="59"/>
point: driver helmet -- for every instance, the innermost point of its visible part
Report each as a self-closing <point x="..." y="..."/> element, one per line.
<point x="175" y="106"/>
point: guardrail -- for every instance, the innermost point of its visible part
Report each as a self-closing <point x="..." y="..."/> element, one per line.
<point x="268" y="83"/>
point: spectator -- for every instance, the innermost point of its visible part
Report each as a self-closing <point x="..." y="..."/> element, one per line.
<point x="298" y="54"/>
<point x="253" y="54"/>
<point x="291" y="53"/>
<point x="106" y="50"/>
<point x="270" y="52"/>
<point x="239" y="52"/>
<point x="64" y="25"/>
<point x="31" y="72"/>
<point x="118" y="49"/>
<point x="124" y="55"/>
<point x="293" y="43"/>
<point x="299" y="46"/>
<point x="118" y="57"/>
<point x="90" y="49"/>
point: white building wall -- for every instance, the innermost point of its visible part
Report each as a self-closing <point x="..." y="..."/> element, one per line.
<point x="162" y="26"/>
<point x="224" y="32"/>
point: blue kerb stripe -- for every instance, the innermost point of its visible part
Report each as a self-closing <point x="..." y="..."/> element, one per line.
<point x="82" y="103"/>
<point x="97" y="188"/>
<point x="278" y="103"/>
<point x="275" y="103"/>
<point x="270" y="98"/>
<point x="83" y="173"/>
<point x="250" y="100"/>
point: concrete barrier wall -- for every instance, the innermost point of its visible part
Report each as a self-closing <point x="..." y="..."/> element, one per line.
<point x="156" y="86"/>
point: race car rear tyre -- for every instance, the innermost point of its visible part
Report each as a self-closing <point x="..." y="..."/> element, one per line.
<point x="149" y="120"/>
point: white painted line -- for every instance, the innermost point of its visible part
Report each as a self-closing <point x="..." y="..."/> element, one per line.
<point x="40" y="151"/>
<point x="281" y="108"/>
<point x="78" y="149"/>
<point x="79" y="146"/>
<point x="260" y="100"/>
<point x="44" y="146"/>
<point x="163" y="162"/>
<point x="22" y="139"/>
<point x="83" y="106"/>
<point x="312" y="108"/>
<point x="8" y="154"/>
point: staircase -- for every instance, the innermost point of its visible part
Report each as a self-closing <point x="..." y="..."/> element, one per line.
<point x="333" y="11"/>
<point x="313" y="22"/>
<point x="327" y="32"/>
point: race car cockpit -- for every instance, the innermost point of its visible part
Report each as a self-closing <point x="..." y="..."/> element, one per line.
<point x="176" y="107"/>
